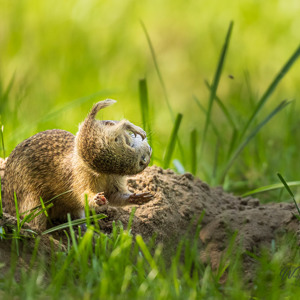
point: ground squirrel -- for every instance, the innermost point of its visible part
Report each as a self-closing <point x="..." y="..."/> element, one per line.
<point x="95" y="162"/>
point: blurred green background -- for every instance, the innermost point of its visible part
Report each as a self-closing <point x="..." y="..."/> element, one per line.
<point x="53" y="53"/>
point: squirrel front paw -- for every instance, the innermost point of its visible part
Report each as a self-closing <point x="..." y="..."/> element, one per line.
<point x="99" y="202"/>
<point x="100" y="199"/>
<point x="134" y="129"/>
<point x="140" y="198"/>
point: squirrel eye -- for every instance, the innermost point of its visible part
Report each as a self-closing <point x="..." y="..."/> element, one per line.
<point x="116" y="139"/>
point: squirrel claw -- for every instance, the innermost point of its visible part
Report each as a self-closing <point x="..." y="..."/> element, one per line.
<point x="140" y="198"/>
<point x="142" y="133"/>
<point x="136" y="130"/>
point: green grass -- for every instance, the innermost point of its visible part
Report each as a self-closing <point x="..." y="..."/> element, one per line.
<point x="58" y="62"/>
<point x="213" y="89"/>
<point x="120" y="266"/>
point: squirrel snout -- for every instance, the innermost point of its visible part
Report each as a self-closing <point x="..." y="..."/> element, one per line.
<point x="144" y="160"/>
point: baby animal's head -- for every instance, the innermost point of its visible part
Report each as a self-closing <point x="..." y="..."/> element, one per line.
<point x="112" y="147"/>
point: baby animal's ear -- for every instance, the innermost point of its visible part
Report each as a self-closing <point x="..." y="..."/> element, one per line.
<point x="100" y="105"/>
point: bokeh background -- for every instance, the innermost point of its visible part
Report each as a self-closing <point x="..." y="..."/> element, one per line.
<point x="57" y="58"/>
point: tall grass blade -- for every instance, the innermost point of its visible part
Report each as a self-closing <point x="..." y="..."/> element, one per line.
<point x="17" y="211"/>
<point x="289" y="191"/>
<point x="271" y="89"/>
<point x="2" y="139"/>
<point x="45" y="210"/>
<point x="143" y="92"/>
<point x="216" y="157"/>
<point x="43" y="207"/>
<point x="131" y="217"/>
<point x="157" y="70"/>
<point x="215" y="84"/>
<point x="233" y="141"/>
<point x="212" y="124"/>
<point x="163" y="86"/>
<point x="72" y="233"/>
<point x="172" y="142"/>
<point x="193" y="151"/>
<point x="252" y="134"/>
<point x="270" y="187"/>
<point x="146" y="252"/>
<point x="223" y="107"/>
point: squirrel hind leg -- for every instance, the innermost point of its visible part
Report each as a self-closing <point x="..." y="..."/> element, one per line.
<point x="125" y="125"/>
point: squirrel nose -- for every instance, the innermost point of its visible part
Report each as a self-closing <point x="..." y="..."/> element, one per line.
<point x="144" y="160"/>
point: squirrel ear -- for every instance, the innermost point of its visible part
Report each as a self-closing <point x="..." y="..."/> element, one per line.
<point x="100" y="105"/>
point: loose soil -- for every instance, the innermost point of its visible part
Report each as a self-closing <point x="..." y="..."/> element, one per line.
<point x="178" y="204"/>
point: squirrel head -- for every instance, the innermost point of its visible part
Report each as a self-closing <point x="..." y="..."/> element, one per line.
<point x="112" y="147"/>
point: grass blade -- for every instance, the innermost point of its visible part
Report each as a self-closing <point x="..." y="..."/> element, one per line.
<point x="216" y="157"/>
<point x="2" y="139"/>
<point x="163" y="86"/>
<point x="223" y="108"/>
<point x="157" y="70"/>
<point x="212" y="124"/>
<point x="146" y="252"/>
<point x="17" y="211"/>
<point x="270" y="187"/>
<point x="143" y="92"/>
<point x="45" y="210"/>
<point x="253" y="133"/>
<point x="232" y="142"/>
<point x="193" y="144"/>
<point x="271" y="88"/>
<point x="131" y="217"/>
<point x="46" y="202"/>
<point x="215" y="84"/>
<point x="172" y="142"/>
<point x="74" y="223"/>
<point x="289" y="191"/>
<point x="28" y="218"/>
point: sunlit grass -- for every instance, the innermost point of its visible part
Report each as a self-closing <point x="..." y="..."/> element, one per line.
<point x="47" y="77"/>
<point x="58" y="62"/>
<point x="119" y="266"/>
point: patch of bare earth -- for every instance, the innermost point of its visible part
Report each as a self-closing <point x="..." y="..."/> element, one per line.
<point x="178" y="203"/>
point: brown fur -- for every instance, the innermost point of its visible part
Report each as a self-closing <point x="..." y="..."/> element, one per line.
<point x="95" y="163"/>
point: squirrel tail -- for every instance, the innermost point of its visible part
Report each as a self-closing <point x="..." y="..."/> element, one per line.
<point x="100" y="105"/>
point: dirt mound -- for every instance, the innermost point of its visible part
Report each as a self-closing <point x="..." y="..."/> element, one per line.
<point x="180" y="200"/>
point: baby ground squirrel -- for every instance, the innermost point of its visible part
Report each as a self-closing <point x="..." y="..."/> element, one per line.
<point x="95" y="163"/>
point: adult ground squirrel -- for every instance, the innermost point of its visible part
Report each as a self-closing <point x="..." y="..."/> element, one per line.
<point x="95" y="163"/>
